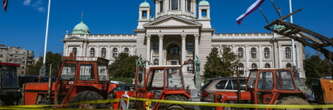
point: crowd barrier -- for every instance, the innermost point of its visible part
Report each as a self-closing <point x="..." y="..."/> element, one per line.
<point x="150" y="101"/>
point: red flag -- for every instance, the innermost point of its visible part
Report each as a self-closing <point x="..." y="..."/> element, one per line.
<point x="5" y="4"/>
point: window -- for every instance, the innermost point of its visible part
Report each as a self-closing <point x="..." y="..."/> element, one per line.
<point x="284" y="80"/>
<point x="204" y="13"/>
<point x="161" y="6"/>
<point x="156" y="62"/>
<point x="189" y="5"/>
<point x="74" y="51"/>
<point x="254" y="66"/>
<point x="68" y="72"/>
<point x="288" y="52"/>
<point x="240" y="52"/>
<point x="241" y="69"/>
<point x="288" y="65"/>
<point x="103" y="73"/>
<point x="115" y="52"/>
<point x="126" y="50"/>
<point x="174" y="4"/>
<point x="265" y="81"/>
<point x="229" y="85"/>
<point x="174" y="78"/>
<point x="86" y="72"/>
<point x="92" y="52"/>
<point x="221" y="84"/>
<point x="189" y="46"/>
<point x="253" y="52"/>
<point x="144" y="14"/>
<point x="267" y="53"/>
<point x="267" y="65"/>
<point x="103" y="52"/>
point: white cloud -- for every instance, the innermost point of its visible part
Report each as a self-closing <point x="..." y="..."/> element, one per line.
<point x="35" y="4"/>
<point x="27" y="2"/>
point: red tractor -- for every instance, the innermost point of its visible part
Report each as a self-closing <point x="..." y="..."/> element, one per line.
<point x="80" y="79"/>
<point x="266" y="86"/>
<point x="158" y="82"/>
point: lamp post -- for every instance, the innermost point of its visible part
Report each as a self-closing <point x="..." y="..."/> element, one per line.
<point x="42" y="71"/>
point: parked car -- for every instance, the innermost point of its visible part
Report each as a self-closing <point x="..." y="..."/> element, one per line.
<point x="228" y="84"/>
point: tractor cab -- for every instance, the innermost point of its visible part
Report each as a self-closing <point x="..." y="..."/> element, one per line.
<point x="80" y="73"/>
<point x="78" y="79"/>
<point x="161" y="82"/>
<point x="269" y="85"/>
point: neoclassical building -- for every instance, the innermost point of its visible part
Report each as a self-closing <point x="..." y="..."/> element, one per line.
<point x="178" y="31"/>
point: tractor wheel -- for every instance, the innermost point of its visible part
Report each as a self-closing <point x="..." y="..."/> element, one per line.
<point x="293" y="101"/>
<point x="87" y="96"/>
<point x="173" y="106"/>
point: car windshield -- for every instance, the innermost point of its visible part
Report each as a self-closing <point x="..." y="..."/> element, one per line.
<point x="68" y="72"/>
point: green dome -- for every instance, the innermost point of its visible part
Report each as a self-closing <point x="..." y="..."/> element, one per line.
<point x="81" y="28"/>
<point x="144" y="4"/>
<point x="203" y="2"/>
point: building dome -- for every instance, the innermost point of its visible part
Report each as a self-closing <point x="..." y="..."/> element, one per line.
<point x="144" y="4"/>
<point x="203" y="2"/>
<point x="81" y="28"/>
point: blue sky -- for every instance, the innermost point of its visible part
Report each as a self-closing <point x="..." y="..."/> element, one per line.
<point x="24" y="23"/>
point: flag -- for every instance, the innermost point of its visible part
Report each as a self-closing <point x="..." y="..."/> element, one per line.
<point x="249" y="10"/>
<point x="5" y="4"/>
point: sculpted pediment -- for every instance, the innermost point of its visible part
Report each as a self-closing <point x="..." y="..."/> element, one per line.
<point x="172" y="21"/>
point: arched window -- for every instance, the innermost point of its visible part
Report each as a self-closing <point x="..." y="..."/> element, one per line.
<point x="267" y="53"/>
<point x="204" y="12"/>
<point x="126" y="50"/>
<point x="115" y="52"/>
<point x="144" y="14"/>
<point x="241" y="69"/>
<point x="254" y="66"/>
<point x="240" y="52"/>
<point x="288" y="52"/>
<point x="253" y="52"/>
<point x="174" y="4"/>
<point x="267" y="65"/>
<point x="288" y="65"/>
<point x="156" y="62"/>
<point x="103" y="51"/>
<point x="74" y="51"/>
<point x="92" y="52"/>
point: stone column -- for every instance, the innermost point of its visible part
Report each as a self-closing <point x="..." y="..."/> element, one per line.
<point x="160" y="49"/>
<point x="183" y="48"/>
<point x="196" y="45"/>
<point x="148" y="48"/>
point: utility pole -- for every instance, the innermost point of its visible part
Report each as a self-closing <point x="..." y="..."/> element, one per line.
<point x="292" y="40"/>
<point x="42" y="71"/>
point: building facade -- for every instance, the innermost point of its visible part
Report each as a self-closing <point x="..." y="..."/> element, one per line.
<point x="179" y="31"/>
<point x="16" y="55"/>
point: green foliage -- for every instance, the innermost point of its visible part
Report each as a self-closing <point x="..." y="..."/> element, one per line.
<point x="51" y="58"/>
<point x="123" y="67"/>
<point x="217" y="66"/>
<point x="316" y="67"/>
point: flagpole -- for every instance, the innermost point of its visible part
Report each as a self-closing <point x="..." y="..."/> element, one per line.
<point x="46" y="36"/>
<point x="292" y="40"/>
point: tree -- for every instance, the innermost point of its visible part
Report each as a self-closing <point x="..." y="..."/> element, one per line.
<point x="217" y="66"/>
<point x="51" y="58"/>
<point x="123" y="68"/>
<point x="316" y="67"/>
